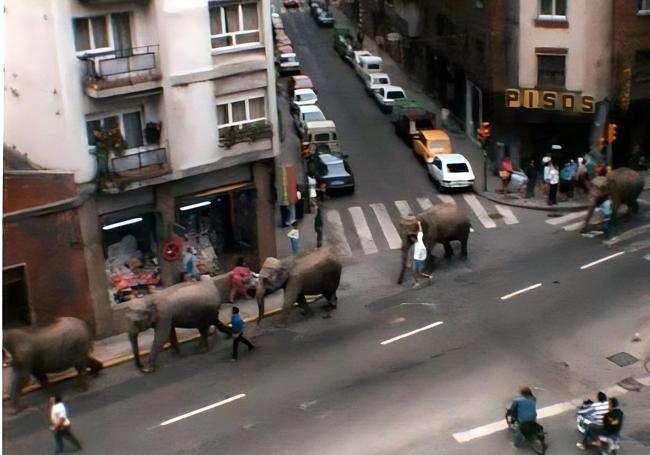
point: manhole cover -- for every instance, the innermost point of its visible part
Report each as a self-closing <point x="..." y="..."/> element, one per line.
<point x="622" y="359"/>
<point x="630" y="384"/>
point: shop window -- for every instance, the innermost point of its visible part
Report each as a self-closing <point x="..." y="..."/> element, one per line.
<point x="15" y="303"/>
<point x="131" y="247"/>
<point x="240" y="112"/>
<point x="102" y="33"/>
<point x="551" y="70"/>
<point x="129" y="123"/>
<point x="234" y="25"/>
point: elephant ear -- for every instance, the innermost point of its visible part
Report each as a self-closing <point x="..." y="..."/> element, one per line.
<point x="409" y="225"/>
<point x="275" y="272"/>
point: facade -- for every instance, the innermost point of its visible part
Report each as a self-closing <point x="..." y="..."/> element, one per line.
<point x="164" y="113"/>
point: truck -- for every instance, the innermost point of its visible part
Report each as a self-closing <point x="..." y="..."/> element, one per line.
<point x="409" y="117"/>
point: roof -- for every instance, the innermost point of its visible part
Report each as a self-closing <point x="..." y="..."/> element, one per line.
<point x="452" y="158"/>
<point x="303" y="91"/>
<point x="370" y="58"/>
<point x="329" y="159"/>
<point x="392" y="88"/>
<point x="310" y="108"/>
<point x="362" y="53"/>
<point x="301" y="77"/>
<point x="432" y="135"/>
<point x="287" y="55"/>
<point x="379" y="75"/>
<point x="321" y="124"/>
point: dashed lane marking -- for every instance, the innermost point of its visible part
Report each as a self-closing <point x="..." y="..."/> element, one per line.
<point x="206" y="408"/>
<point x="387" y="226"/>
<point x="408" y="334"/>
<point x="565" y="218"/>
<point x="335" y="234"/>
<point x="506" y="213"/>
<point x="607" y="258"/>
<point x="521" y="291"/>
<point x="479" y="211"/>
<point x="403" y="207"/>
<point x="424" y="202"/>
<point x="363" y="231"/>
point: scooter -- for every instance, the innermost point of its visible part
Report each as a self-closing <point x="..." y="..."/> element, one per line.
<point x="608" y="445"/>
<point x="536" y="441"/>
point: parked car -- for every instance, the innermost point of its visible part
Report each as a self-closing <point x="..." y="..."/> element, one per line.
<point x="385" y="95"/>
<point x="317" y="134"/>
<point x="276" y="21"/>
<point x="325" y="19"/>
<point x="409" y="117"/>
<point x="304" y="115"/>
<point x="316" y="9"/>
<point x="315" y="5"/>
<point x="369" y="64"/>
<point x="355" y="57"/>
<point x="291" y="3"/>
<point x="303" y="97"/>
<point x="287" y="64"/>
<point x="332" y="169"/>
<point x="281" y="37"/>
<point x="430" y="143"/>
<point x="299" y="81"/>
<point x="343" y="42"/>
<point x="451" y="170"/>
<point x="283" y="49"/>
<point x="372" y="81"/>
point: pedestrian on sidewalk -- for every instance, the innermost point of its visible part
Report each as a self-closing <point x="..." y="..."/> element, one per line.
<point x="313" y="196"/>
<point x="553" y="182"/>
<point x="419" y="258"/>
<point x="189" y="265"/>
<point x="237" y="325"/>
<point x="566" y="179"/>
<point x="531" y="173"/>
<point x="582" y="178"/>
<point x="294" y="238"/>
<point x="60" y="424"/>
<point x="318" y="227"/>
<point x="505" y="173"/>
<point x="544" y="174"/>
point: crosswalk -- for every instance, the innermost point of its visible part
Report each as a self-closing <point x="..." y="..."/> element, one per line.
<point x="374" y="227"/>
<point x="571" y="217"/>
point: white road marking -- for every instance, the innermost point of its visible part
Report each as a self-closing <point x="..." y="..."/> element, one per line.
<point x="446" y="199"/>
<point x="480" y="212"/>
<point x="206" y="408"/>
<point x="387" y="226"/>
<point x="521" y="291"/>
<point x="574" y="226"/>
<point x="363" y="231"/>
<point x="424" y="202"/>
<point x="335" y="235"/>
<point x="643" y="202"/>
<point x="403" y="207"/>
<point x="422" y="329"/>
<point x="627" y="235"/>
<point x="565" y="218"/>
<point x="507" y="214"/>
<point x="586" y="266"/>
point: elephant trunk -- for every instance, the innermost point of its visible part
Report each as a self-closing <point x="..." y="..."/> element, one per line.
<point x="259" y="295"/>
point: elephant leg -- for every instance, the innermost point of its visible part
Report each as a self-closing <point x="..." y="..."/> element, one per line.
<point x="449" y="251"/>
<point x="82" y="376"/>
<point x="94" y="364"/>
<point x="133" y="337"/>
<point x="42" y="379"/>
<point x="463" y="248"/>
<point x="302" y="303"/>
<point x="223" y="328"/>
<point x="203" y="341"/>
<point x="633" y="207"/>
<point x="162" y="331"/>
<point x="291" y="295"/>
<point x="590" y="213"/>
<point x="174" y="341"/>
<point x="18" y="378"/>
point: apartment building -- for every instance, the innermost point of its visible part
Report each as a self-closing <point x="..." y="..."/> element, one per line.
<point x="163" y="111"/>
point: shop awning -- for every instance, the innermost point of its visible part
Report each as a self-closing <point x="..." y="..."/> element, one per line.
<point x="221" y="189"/>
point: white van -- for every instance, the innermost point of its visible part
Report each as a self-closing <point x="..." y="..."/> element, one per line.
<point x="369" y="64"/>
<point x="319" y="134"/>
<point x="373" y="81"/>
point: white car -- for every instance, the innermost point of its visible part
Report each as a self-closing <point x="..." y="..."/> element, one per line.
<point x="303" y="97"/>
<point x="451" y="170"/>
<point x="355" y="58"/>
<point x="385" y="95"/>
<point x="304" y="115"/>
<point x="288" y="64"/>
<point x="372" y="81"/>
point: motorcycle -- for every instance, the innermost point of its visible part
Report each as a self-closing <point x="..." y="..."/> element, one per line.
<point x="608" y="445"/>
<point x="536" y="441"/>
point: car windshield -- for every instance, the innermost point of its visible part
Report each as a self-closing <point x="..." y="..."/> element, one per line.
<point x="394" y="95"/>
<point x="437" y="144"/>
<point x="382" y="80"/>
<point x="313" y="116"/>
<point x="323" y="137"/>
<point x="336" y="169"/>
<point x="306" y="97"/>
<point x="373" y="66"/>
<point x="303" y="84"/>
<point x="288" y="59"/>
<point x="457" y="167"/>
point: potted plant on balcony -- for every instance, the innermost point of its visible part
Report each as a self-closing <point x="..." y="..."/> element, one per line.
<point x="107" y="141"/>
<point x="250" y="132"/>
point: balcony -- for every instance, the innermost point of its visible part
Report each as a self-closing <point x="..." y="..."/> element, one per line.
<point x="121" y="72"/>
<point x="137" y="164"/>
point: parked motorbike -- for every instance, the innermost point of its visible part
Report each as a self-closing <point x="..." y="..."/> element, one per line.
<point x="536" y="441"/>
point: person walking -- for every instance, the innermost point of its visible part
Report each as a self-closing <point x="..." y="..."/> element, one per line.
<point x="318" y="227"/>
<point x="419" y="257"/>
<point x="553" y="182"/>
<point x="189" y="265"/>
<point x="606" y="209"/>
<point x="60" y="424"/>
<point x="531" y="173"/>
<point x="294" y="238"/>
<point x="505" y="173"/>
<point x="237" y="325"/>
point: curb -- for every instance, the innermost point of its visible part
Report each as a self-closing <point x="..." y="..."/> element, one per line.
<point x="542" y="208"/>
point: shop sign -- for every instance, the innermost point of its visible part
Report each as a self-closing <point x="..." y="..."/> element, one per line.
<point x="549" y="100"/>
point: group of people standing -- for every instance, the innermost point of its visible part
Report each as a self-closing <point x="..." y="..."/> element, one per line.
<point x="316" y="198"/>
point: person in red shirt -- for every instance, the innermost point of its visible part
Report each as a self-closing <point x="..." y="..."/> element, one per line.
<point x="505" y="173"/>
<point x="240" y="277"/>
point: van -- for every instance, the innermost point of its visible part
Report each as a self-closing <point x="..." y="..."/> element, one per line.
<point x="319" y="136"/>
<point x="372" y="81"/>
<point x="369" y="64"/>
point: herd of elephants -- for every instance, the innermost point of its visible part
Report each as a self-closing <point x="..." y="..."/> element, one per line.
<point x="67" y="343"/>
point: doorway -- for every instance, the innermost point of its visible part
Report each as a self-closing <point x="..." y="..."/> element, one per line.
<point x="15" y="301"/>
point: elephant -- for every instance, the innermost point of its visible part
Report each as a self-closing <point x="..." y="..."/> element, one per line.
<point x="316" y="272"/>
<point x="622" y="186"/>
<point x="441" y="223"/>
<point x="183" y="305"/>
<point x="39" y="350"/>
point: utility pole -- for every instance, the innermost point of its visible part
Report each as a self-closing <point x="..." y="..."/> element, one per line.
<point x="483" y="134"/>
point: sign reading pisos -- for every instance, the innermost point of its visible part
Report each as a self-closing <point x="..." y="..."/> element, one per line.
<point x="549" y="100"/>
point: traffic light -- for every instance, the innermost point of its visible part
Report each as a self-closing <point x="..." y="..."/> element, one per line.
<point x="611" y="132"/>
<point x="484" y="131"/>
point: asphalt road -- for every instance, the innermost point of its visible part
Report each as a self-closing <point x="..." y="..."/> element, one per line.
<point x="326" y="387"/>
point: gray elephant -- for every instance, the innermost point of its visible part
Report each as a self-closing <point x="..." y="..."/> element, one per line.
<point x="622" y="186"/>
<point x="317" y="272"/>
<point x="193" y="305"/>
<point x="52" y="348"/>
<point x="441" y="223"/>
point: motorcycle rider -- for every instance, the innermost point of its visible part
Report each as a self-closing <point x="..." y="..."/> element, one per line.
<point x="524" y="411"/>
<point x="595" y="411"/>
<point x="612" y="424"/>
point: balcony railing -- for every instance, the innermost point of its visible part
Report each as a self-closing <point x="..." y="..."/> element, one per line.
<point x="120" y="68"/>
<point x="246" y="132"/>
<point x="146" y="159"/>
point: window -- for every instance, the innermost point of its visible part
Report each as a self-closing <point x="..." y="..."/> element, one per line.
<point x="552" y="9"/>
<point x="234" y="25"/>
<point x="395" y="95"/>
<point x="241" y="112"/>
<point x="644" y="7"/>
<point x="457" y="167"/>
<point x="551" y="70"/>
<point x="129" y="123"/>
<point x="102" y="33"/>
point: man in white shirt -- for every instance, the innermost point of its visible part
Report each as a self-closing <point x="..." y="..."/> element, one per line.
<point x="419" y="257"/>
<point x="61" y="424"/>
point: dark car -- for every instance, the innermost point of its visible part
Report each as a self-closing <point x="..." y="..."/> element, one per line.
<point x="333" y="170"/>
<point x="325" y="19"/>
